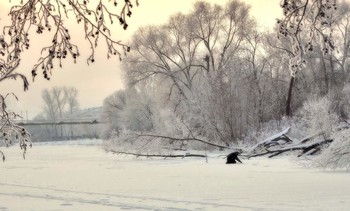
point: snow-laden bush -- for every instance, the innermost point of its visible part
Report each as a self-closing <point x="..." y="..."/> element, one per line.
<point x="317" y="116"/>
<point x="337" y="155"/>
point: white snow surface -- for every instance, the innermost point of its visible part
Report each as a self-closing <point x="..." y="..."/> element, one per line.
<point x="84" y="177"/>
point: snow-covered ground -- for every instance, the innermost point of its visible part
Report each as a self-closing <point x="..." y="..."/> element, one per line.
<point x="81" y="177"/>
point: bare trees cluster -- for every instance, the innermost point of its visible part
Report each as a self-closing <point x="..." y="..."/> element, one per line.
<point x="59" y="104"/>
<point x="207" y="71"/>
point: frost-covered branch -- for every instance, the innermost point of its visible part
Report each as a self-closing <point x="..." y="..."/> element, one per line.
<point x="10" y="131"/>
<point x="310" y="19"/>
<point x="51" y="17"/>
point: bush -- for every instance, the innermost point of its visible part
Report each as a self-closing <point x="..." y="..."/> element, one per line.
<point x="318" y="115"/>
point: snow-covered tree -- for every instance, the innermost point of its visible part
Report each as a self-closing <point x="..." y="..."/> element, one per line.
<point x="128" y="110"/>
<point x="213" y="69"/>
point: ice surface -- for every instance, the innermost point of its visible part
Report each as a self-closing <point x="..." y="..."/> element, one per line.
<point x="78" y="177"/>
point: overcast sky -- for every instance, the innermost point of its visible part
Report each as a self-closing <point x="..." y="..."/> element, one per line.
<point x="95" y="82"/>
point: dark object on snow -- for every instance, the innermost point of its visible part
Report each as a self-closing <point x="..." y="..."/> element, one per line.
<point x="233" y="157"/>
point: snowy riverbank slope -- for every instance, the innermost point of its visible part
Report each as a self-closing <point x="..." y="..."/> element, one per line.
<point x="78" y="177"/>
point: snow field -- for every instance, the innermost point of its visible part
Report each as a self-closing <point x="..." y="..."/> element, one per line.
<point x="78" y="177"/>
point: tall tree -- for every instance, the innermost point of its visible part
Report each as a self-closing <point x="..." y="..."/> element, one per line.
<point x="50" y="109"/>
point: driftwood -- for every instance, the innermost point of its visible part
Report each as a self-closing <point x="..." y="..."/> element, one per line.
<point x="149" y="139"/>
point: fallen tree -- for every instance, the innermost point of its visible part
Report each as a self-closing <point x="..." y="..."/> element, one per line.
<point x="160" y="146"/>
<point x="280" y="143"/>
<point x="307" y="149"/>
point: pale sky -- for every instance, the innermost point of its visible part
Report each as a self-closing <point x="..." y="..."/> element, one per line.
<point x="97" y="81"/>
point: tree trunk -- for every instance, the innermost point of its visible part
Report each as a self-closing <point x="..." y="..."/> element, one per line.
<point x="289" y="99"/>
<point x="331" y="62"/>
<point x="324" y="68"/>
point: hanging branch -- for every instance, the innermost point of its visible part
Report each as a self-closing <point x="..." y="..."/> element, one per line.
<point x="11" y="132"/>
<point x="313" y="16"/>
<point x="49" y="17"/>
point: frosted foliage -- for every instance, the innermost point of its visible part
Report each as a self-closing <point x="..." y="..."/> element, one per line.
<point x="318" y="116"/>
<point x="337" y="155"/>
<point x="313" y="15"/>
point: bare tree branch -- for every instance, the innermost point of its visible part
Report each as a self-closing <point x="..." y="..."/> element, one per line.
<point x="157" y="155"/>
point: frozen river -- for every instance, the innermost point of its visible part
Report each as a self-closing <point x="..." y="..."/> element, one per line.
<point x="80" y="177"/>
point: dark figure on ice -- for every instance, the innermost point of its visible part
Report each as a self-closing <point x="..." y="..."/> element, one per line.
<point x="233" y="157"/>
